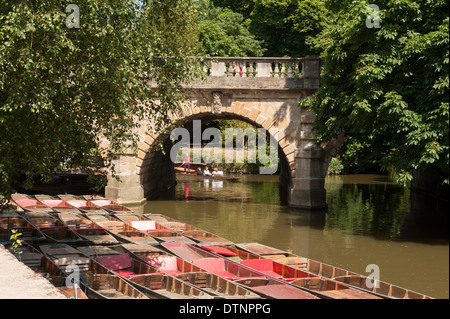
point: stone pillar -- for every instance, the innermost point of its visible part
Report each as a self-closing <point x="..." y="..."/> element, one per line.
<point x="128" y="190"/>
<point x="308" y="180"/>
<point x="308" y="183"/>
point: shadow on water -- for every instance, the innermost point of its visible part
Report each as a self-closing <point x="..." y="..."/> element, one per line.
<point x="369" y="219"/>
<point x="363" y="205"/>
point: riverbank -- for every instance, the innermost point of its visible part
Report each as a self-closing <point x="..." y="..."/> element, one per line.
<point x="17" y="281"/>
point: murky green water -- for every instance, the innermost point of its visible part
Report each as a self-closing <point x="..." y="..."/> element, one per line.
<point x="370" y="220"/>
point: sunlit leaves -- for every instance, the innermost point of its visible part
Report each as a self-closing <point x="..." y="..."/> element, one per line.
<point x="392" y="83"/>
<point x="63" y="92"/>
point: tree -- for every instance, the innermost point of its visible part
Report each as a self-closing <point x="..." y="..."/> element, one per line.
<point x="65" y="90"/>
<point x="286" y="25"/>
<point x="222" y="32"/>
<point x="386" y="88"/>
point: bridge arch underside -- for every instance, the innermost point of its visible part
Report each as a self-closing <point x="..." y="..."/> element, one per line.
<point x="277" y="113"/>
<point x="157" y="173"/>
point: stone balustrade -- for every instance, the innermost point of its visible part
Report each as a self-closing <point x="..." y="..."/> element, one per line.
<point x="263" y="67"/>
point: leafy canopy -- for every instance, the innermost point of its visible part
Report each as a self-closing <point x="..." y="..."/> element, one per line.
<point x="66" y="93"/>
<point x="387" y="88"/>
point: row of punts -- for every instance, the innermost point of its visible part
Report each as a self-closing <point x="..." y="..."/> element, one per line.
<point x="120" y="254"/>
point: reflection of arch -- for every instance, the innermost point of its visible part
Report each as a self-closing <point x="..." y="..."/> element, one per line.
<point x="281" y="119"/>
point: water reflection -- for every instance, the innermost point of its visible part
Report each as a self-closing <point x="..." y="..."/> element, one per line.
<point x="370" y="219"/>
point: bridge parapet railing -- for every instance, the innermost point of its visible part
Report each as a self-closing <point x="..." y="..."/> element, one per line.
<point x="262" y="67"/>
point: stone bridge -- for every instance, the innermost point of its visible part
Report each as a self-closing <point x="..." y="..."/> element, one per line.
<point x="267" y="95"/>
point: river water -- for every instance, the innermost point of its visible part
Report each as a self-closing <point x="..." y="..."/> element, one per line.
<point x="370" y="221"/>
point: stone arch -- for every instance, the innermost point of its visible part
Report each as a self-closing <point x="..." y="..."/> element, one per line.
<point x="280" y="118"/>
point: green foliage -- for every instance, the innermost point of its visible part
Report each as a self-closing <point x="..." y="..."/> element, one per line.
<point x="335" y="167"/>
<point x="16" y="241"/>
<point x="64" y="92"/>
<point x="387" y="88"/>
<point x="284" y="26"/>
<point x="222" y="32"/>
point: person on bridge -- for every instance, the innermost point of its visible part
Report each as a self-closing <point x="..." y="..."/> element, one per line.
<point x="237" y="69"/>
<point x="187" y="164"/>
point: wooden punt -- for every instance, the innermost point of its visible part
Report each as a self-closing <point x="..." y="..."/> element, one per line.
<point x="196" y="234"/>
<point x="163" y="286"/>
<point x="142" y="224"/>
<point x="96" y="236"/>
<point x="97" y="282"/>
<point x="108" y="205"/>
<point x="63" y="255"/>
<point x="208" y="282"/>
<point x="63" y="234"/>
<point x="83" y="205"/>
<point x="9" y="207"/>
<point x="136" y="237"/>
<point x="321" y="286"/>
<point x="320" y="269"/>
<point x="256" y="281"/>
<point x="169" y="222"/>
<point x="53" y="228"/>
<point x="76" y="221"/>
<point x="58" y="205"/>
<point x="109" y="286"/>
<point x="170" y="236"/>
<point x="149" y="280"/>
<point x="29" y="232"/>
<point x="43" y="219"/>
<point x="97" y="251"/>
<point x="28" y="203"/>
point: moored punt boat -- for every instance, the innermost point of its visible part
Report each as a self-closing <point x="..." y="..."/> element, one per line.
<point x="29" y="232"/>
<point x="83" y="205"/>
<point x="43" y="219"/>
<point x="96" y="236"/>
<point x="63" y="235"/>
<point x="53" y="228"/>
<point x="136" y="237"/>
<point x="149" y="280"/>
<point x="172" y="265"/>
<point x="110" y="206"/>
<point x="58" y="205"/>
<point x="323" y="286"/>
<point x="169" y="222"/>
<point x="383" y="289"/>
<point x="320" y="269"/>
<point x="258" y="282"/>
<point x="196" y="234"/>
<point x="9" y="207"/>
<point x="97" y="251"/>
<point x="63" y="255"/>
<point x="28" y="203"/>
<point x="97" y="282"/>
<point x="167" y="287"/>
<point x="170" y="236"/>
<point x="108" y="223"/>
<point x="76" y="221"/>
<point x="205" y="237"/>
<point x="88" y="230"/>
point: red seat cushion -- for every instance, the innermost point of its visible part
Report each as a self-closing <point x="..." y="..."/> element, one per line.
<point x="219" y="250"/>
<point x="214" y="265"/>
<point x="116" y="262"/>
<point x="263" y="265"/>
